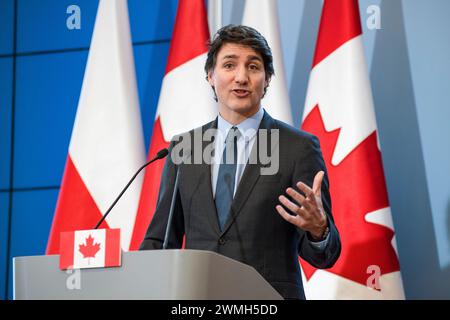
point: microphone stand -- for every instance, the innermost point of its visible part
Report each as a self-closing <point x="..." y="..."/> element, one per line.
<point x="161" y="154"/>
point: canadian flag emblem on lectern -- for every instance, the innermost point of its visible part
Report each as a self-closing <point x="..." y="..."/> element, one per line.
<point x="96" y="248"/>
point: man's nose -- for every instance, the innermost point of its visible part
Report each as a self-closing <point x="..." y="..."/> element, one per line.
<point x="241" y="75"/>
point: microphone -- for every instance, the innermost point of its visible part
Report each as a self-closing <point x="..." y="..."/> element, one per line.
<point x="160" y="155"/>
<point x="172" y="204"/>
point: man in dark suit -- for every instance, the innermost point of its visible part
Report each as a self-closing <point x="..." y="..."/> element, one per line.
<point x="262" y="198"/>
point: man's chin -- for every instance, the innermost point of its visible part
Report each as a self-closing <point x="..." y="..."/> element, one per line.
<point x="244" y="108"/>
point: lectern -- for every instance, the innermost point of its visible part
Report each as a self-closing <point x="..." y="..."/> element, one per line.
<point x="153" y="274"/>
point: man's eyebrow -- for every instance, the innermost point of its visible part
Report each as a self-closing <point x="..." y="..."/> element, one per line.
<point x="233" y="56"/>
<point x="254" y="58"/>
<point x="230" y="56"/>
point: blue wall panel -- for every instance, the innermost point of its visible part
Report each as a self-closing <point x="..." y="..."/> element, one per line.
<point x="6" y="77"/>
<point x="41" y="25"/>
<point x="6" y="26"/>
<point x="4" y="204"/>
<point x="151" y="20"/>
<point x="48" y="88"/>
<point x="150" y="60"/>
<point x="32" y="215"/>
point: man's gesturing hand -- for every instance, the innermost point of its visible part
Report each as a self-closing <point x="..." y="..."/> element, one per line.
<point x="307" y="212"/>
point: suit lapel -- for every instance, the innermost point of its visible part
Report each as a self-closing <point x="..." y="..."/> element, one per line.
<point x="205" y="187"/>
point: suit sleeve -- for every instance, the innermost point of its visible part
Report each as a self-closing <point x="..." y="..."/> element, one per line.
<point x="154" y="238"/>
<point x="307" y="165"/>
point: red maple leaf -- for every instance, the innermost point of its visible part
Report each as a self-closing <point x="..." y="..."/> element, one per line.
<point x="89" y="250"/>
<point x="357" y="187"/>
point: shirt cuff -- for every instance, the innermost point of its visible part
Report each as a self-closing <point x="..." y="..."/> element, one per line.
<point x="320" y="244"/>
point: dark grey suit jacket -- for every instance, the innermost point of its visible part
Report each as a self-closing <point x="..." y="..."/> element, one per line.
<point x="255" y="233"/>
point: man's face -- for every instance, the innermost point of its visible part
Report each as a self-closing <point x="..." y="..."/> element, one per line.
<point x="239" y="79"/>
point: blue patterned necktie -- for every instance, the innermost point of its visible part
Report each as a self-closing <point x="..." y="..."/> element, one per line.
<point x="226" y="177"/>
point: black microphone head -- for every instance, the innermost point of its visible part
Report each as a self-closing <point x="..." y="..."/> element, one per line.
<point x="162" y="153"/>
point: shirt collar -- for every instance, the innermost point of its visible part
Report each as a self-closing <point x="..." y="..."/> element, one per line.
<point x="247" y="128"/>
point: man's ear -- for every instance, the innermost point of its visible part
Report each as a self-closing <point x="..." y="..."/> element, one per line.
<point x="210" y="79"/>
<point x="267" y="82"/>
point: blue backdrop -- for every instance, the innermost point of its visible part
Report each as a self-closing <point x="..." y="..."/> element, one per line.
<point x="42" y="64"/>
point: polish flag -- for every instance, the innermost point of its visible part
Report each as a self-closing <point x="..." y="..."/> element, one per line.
<point x="107" y="145"/>
<point x="339" y="110"/>
<point x="263" y="16"/>
<point x="90" y="249"/>
<point x="185" y="102"/>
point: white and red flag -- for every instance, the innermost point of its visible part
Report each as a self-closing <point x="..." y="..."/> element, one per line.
<point x="185" y="102"/>
<point x="107" y="145"/>
<point x="339" y="110"/>
<point x="263" y="16"/>
<point x="90" y="249"/>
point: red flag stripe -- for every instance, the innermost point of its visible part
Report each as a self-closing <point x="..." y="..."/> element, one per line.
<point x="112" y="247"/>
<point x="339" y="23"/>
<point x="66" y="248"/>
<point x="78" y="206"/>
<point x="188" y="45"/>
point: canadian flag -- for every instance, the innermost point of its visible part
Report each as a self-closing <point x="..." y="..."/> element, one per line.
<point x="263" y="16"/>
<point x="107" y="145"/>
<point x="339" y="110"/>
<point x="90" y="249"/>
<point x="185" y="102"/>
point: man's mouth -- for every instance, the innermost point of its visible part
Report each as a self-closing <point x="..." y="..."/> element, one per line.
<point x="241" y="93"/>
